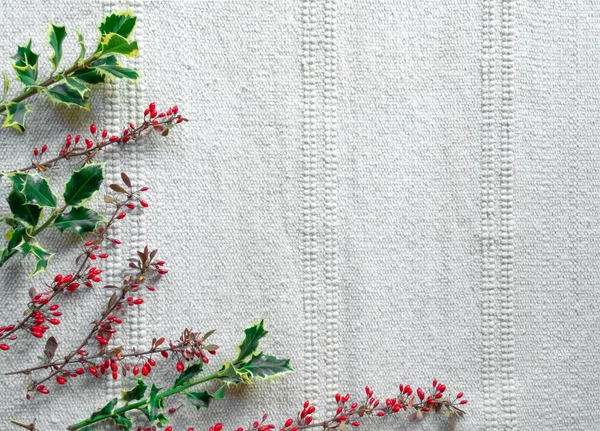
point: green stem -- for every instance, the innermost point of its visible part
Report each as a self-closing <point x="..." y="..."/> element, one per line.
<point x="48" y="82"/>
<point x="50" y="220"/>
<point x="143" y="402"/>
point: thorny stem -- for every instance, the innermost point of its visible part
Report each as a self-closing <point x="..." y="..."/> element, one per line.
<point x="91" y="152"/>
<point x="173" y="348"/>
<point x="78" y="274"/>
<point x="142" y="403"/>
<point x="48" y="82"/>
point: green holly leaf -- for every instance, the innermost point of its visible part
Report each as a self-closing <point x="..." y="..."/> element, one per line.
<point x="135" y="393"/>
<point x="229" y="373"/>
<point x="66" y="95"/>
<point x="41" y="256"/>
<point x="16" y="235"/>
<point x="122" y="421"/>
<point x="80" y="220"/>
<point x="91" y="75"/>
<point x="79" y="86"/>
<point x="6" y="87"/>
<point x="162" y="419"/>
<point x="106" y="410"/>
<point x="56" y="35"/>
<point x="25" y="65"/>
<point x="154" y="403"/>
<point x="81" y="43"/>
<point x="118" y="71"/>
<point x="266" y="366"/>
<point x="188" y="374"/>
<point x="121" y="22"/>
<point x="250" y="343"/>
<point x="202" y="399"/>
<point x="113" y="42"/>
<point x="15" y="115"/>
<point x="37" y="191"/>
<point x="28" y="213"/>
<point x="83" y="184"/>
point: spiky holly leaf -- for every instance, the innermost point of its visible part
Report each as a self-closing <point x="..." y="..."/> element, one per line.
<point x="266" y="366"/>
<point x="106" y="410"/>
<point x="154" y="403"/>
<point x="83" y="184"/>
<point x="41" y="256"/>
<point x="251" y="340"/>
<point x="113" y="42"/>
<point x="202" y="399"/>
<point x="80" y="220"/>
<point x="79" y="86"/>
<point x="135" y="393"/>
<point x="118" y="71"/>
<point x="66" y="95"/>
<point x="21" y="210"/>
<point x="122" y="421"/>
<point x="37" y="191"/>
<point x="56" y="35"/>
<point x="25" y="65"/>
<point x="120" y="22"/>
<point x="81" y="43"/>
<point x="229" y="373"/>
<point x="16" y="235"/>
<point x="188" y="374"/>
<point x="15" y="115"/>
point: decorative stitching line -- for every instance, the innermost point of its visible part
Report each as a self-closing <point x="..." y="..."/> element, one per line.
<point x="331" y="207"/>
<point x="137" y="332"/>
<point x="488" y="282"/>
<point x="310" y="202"/>
<point x="507" y="346"/>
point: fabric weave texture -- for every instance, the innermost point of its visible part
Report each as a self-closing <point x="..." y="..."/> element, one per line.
<point x="403" y="190"/>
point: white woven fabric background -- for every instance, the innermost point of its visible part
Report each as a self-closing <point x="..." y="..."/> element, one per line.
<point x="403" y="190"/>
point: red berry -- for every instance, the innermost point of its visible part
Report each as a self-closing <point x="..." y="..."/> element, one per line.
<point x="146" y="369"/>
<point x="114" y="138"/>
<point x="420" y="393"/>
<point x="77" y="139"/>
<point x="136" y="370"/>
<point x="61" y="380"/>
<point x="80" y="371"/>
<point x="218" y="427"/>
<point x="88" y="144"/>
<point x="169" y="428"/>
<point x="115" y="375"/>
<point x="4" y="347"/>
<point x="463" y="402"/>
<point x="152" y="362"/>
<point x="54" y="321"/>
<point x="121" y="216"/>
<point x="130" y="205"/>
<point x="380" y="413"/>
<point x="355" y="424"/>
<point x="36" y="152"/>
<point x="459" y="395"/>
<point x="175" y="109"/>
<point x="93" y="371"/>
<point x="180" y="366"/>
<point x="289" y="422"/>
<point x="44" y="148"/>
<point x="144" y="189"/>
<point x="93" y="128"/>
<point x="164" y="354"/>
<point x="144" y="204"/>
<point x="54" y="307"/>
<point x="104" y="133"/>
<point x="152" y="106"/>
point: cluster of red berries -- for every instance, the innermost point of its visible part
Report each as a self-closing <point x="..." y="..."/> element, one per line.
<point x="154" y="114"/>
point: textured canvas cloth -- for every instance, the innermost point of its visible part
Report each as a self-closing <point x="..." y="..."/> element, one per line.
<point x="403" y="190"/>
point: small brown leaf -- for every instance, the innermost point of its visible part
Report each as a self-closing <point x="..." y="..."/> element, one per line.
<point x="113" y="300"/>
<point x="411" y="401"/>
<point x="117" y="188"/>
<point x="153" y="253"/>
<point x="412" y="417"/>
<point x="208" y="334"/>
<point x="125" y="179"/>
<point x="32" y="292"/>
<point x="419" y="416"/>
<point x="50" y="348"/>
<point x="159" y="342"/>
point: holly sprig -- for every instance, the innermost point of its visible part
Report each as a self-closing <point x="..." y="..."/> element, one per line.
<point x="250" y="364"/>
<point x="70" y="86"/>
<point x="31" y="196"/>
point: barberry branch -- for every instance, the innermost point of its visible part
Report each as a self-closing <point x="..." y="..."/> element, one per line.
<point x="351" y="413"/>
<point x="103" y="328"/>
<point x="30" y="427"/>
